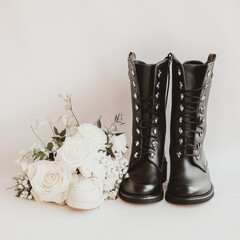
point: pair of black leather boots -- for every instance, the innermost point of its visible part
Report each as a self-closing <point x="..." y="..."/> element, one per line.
<point x="189" y="180"/>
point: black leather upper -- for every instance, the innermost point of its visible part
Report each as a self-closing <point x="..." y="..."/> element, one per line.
<point x="148" y="90"/>
<point x="191" y="82"/>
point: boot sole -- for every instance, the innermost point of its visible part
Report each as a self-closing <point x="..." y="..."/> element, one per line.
<point x="134" y="198"/>
<point x="190" y="200"/>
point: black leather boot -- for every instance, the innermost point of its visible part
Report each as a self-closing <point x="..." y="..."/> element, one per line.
<point x="147" y="170"/>
<point x="189" y="177"/>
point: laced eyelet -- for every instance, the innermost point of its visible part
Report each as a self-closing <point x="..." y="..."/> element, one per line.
<point x="133" y="73"/>
<point x="180" y="85"/>
<point x="157" y="106"/>
<point x="137" y="119"/>
<point x="136" y="143"/>
<point x="159" y="73"/>
<point x="200" y="134"/>
<point x="158" y="85"/>
<point x="157" y="95"/>
<point x="209" y="73"/>
<point x="151" y="154"/>
<point x="179" y="72"/>
<point x="201" y="109"/>
<point x="206" y="85"/>
<point x="179" y="154"/>
<point x="135" y="95"/>
<point x="155" y="131"/>
<point x="182" y="96"/>
<point x="134" y="84"/>
<point x="138" y="131"/>
<point x="180" y="119"/>
<point x="156" y="120"/>
<point x="180" y="130"/>
<point x="154" y="143"/>
<point x="203" y="98"/>
<point x="198" y="145"/>
<point x="180" y="141"/>
<point x="181" y="107"/>
<point x="197" y="157"/>
<point x="136" y="154"/>
<point x="136" y="107"/>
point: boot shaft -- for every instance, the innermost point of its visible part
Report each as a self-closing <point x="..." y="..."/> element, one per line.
<point x="149" y="83"/>
<point x="191" y="82"/>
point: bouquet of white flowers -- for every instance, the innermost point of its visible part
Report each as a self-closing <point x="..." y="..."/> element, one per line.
<point x="79" y="152"/>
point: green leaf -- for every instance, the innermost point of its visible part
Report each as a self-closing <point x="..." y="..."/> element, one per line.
<point x="63" y="139"/>
<point x="99" y="124"/>
<point x="63" y="132"/>
<point x="50" y="146"/>
<point x="118" y="134"/>
<point x="35" y="151"/>
<point x="56" y="131"/>
<point x="58" y="139"/>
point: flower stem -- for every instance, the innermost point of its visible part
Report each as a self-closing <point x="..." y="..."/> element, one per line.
<point x="38" y="138"/>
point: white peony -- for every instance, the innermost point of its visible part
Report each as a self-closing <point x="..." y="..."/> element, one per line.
<point x="119" y="143"/>
<point x="93" y="134"/>
<point x="50" y="181"/>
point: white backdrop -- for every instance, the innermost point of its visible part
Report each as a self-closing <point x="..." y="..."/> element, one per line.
<point x="81" y="47"/>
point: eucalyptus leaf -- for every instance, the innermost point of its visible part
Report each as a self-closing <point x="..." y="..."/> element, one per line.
<point x="118" y="134"/>
<point x="50" y="146"/>
<point x="56" y="131"/>
<point x="99" y="124"/>
<point x="63" y="132"/>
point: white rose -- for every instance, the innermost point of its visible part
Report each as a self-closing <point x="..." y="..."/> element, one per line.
<point x="76" y="152"/>
<point x="50" y="181"/>
<point x="119" y="143"/>
<point x="93" y="134"/>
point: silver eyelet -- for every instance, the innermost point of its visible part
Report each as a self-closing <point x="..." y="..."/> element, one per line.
<point x="179" y="154"/>
<point x="209" y="73"/>
<point x="136" y="107"/>
<point x="180" y="141"/>
<point x="201" y="109"/>
<point x="138" y="131"/>
<point x="155" y="131"/>
<point x="200" y="134"/>
<point x="152" y="154"/>
<point x="181" y="107"/>
<point x="198" y="145"/>
<point x="156" y="120"/>
<point x="137" y="119"/>
<point x="180" y="119"/>
<point x="203" y="98"/>
<point x="134" y="84"/>
<point x="180" y="85"/>
<point x="158" y="85"/>
<point x="136" y="143"/>
<point x="206" y="85"/>
<point x="157" y="106"/>
<point x="179" y="72"/>
<point x="136" y="154"/>
<point x="157" y="95"/>
<point x="154" y="143"/>
<point x="133" y="73"/>
<point x="159" y="73"/>
<point x="197" y="157"/>
<point x="182" y="96"/>
<point x="180" y="130"/>
<point x="135" y="95"/>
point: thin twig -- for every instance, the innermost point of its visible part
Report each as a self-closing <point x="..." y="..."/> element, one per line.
<point x="38" y="138"/>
